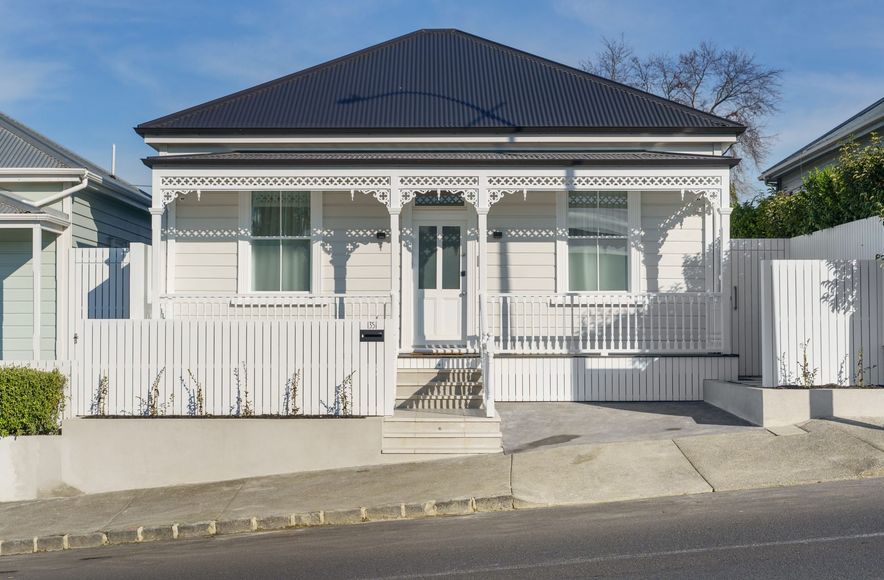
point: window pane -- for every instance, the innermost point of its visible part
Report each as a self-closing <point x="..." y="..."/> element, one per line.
<point x="426" y="257"/>
<point x="612" y="215"/>
<point x="583" y="265"/>
<point x="265" y="265"/>
<point x="295" y="265"/>
<point x="265" y="213"/>
<point x="295" y="213"/>
<point x="613" y="264"/>
<point x="450" y="257"/>
<point x="582" y="214"/>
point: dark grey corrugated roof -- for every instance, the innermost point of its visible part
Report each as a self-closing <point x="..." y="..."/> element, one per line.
<point x="443" y="80"/>
<point x="18" y="151"/>
<point x="24" y="148"/>
<point x="442" y="157"/>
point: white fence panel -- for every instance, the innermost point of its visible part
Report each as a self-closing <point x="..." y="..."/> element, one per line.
<point x="746" y="256"/>
<point x="229" y="359"/>
<point x="859" y="240"/>
<point x="820" y="318"/>
<point x="608" y="378"/>
<point x="99" y="283"/>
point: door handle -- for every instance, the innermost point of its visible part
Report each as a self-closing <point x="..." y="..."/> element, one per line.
<point x="463" y="273"/>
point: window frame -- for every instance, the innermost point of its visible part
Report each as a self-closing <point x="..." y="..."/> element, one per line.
<point x="245" y="282"/>
<point x="633" y="252"/>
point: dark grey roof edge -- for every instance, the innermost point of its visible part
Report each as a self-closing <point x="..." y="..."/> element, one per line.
<point x="797" y="153"/>
<point x="65" y="156"/>
<point x="484" y="158"/>
<point x="152" y="126"/>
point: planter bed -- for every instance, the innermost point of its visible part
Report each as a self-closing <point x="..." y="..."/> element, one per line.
<point x="815" y="387"/>
<point x="777" y="406"/>
<point x="239" y="418"/>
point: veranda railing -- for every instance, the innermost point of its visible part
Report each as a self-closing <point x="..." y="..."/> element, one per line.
<point x="606" y="323"/>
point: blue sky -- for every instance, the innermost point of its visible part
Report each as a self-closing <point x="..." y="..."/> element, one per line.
<point x="84" y="72"/>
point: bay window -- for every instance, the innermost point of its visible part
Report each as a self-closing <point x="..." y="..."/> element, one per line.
<point x="598" y="248"/>
<point x="280" y="241"/>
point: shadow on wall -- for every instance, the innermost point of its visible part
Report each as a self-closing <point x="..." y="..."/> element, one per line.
<point x="109" y="299"/>
<point x="851" y="290"/>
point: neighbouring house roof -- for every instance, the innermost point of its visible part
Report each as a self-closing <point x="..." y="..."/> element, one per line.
<point x="869" y="119"/>
<point x="607" y="158"/>
<point x="24" y="148"/>
<point x="439" y="80"/>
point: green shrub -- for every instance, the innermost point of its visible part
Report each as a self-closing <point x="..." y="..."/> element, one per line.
<point x="30" y="401"/>
<point x="851" y="190"/>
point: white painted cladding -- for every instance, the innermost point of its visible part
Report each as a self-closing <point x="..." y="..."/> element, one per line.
<point x="673" y="254"/>
<point x="352" y="259"/>
<point x="205" y="235"/>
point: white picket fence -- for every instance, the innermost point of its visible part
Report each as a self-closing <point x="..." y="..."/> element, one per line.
<point x="263" y="354"/>
<point x="858" y="240"/>
<point x="820" y="318"/>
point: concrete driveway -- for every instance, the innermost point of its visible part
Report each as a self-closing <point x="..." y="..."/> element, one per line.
<point x="528" y="426"/>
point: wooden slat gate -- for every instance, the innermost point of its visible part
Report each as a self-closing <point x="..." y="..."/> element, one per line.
<point x="746" y="256"/>
<point x="99" y="283"/>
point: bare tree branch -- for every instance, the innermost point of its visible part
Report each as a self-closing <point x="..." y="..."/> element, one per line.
<point x="725" y="82"/>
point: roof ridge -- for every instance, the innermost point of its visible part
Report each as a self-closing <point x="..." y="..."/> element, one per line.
<point x="261" y="87"/>
<point x="59" y="152"/>
<point x="582" y="73"/>
<point x="580" y="76"/>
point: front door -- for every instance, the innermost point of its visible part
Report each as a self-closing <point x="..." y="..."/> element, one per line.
<point x="440" y="270"/>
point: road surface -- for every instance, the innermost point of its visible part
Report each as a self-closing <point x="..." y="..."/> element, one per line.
<point x="818" y="531"/>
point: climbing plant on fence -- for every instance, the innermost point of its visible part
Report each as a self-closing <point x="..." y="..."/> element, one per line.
<point x="851" y="190"/>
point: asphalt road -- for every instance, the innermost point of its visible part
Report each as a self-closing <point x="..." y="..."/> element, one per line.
<point x="832" y="530"/>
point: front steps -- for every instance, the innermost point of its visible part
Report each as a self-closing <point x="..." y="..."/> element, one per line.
<point x="439" y="389"/>
<point x="438" y="433"/>
<point x="440" y="409"/>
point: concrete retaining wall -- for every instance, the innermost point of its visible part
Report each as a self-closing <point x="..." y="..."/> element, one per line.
<point x="98" y="455"/>
<point x="30" y="467"/>
<point x="777" y="407"/>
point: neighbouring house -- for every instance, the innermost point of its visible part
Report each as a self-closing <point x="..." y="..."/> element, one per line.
<point x="506" y="227"/>
<point x="52" y="201"/>
<point x="788" y="174"/>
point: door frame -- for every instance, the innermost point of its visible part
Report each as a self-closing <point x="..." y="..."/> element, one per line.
<point x="411" y="216"/>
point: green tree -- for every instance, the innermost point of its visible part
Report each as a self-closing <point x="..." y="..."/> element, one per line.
<point x="851" y="190"/>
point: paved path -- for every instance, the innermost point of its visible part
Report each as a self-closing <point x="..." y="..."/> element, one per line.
<point x="527" y="426"/>
<point x="831" y="530"/>
<point x="547" y="476"/>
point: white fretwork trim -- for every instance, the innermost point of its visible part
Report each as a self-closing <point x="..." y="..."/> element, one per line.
<point x="439" y="181"/>
<point x="495" y="195"/>
<point x="174" y="186"/>
<point x="508" y="183"/>
<point x="382" y="195"/>
<point x="469" y="195"/>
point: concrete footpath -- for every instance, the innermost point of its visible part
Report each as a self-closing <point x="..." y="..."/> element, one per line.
<point x="571" y="474"/>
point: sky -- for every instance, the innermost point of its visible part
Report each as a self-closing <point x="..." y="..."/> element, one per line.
<point x="84" y="72"/>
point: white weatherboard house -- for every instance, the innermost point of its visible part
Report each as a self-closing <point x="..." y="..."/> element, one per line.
<point x="456" y="221"/>
<point x="52" y="201"/>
